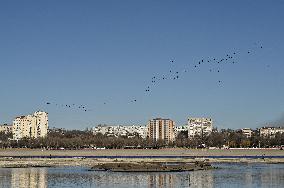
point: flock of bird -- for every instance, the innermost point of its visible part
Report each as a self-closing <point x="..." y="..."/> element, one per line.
<point x="174" y="74"/>
<point x="70" y="106"/>
<point x="229" y="58"/>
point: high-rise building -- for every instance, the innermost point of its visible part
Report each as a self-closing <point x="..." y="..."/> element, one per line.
<point x="31" y="126"/>
<point x="199" y="126"/>
<point x="41" y="123"/>
<point x="161" y="129"/>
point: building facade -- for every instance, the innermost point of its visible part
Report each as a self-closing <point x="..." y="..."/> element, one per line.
<point x="161" y="129"/>
<point x="199" y="126"/>
<point x="41" y="128"/>
<point x="31" y="126"/>
<point x="6" y="128"/>
<point x="247" y="132"/>
<point x="179" y="129"/>
<point x="270" y="131"/>
<point x="121" y="130"/>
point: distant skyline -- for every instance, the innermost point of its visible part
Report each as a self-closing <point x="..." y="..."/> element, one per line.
<point x="103" y="54"/>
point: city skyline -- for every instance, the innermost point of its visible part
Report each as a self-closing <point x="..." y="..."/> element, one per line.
<point x="205" y="123"/>
<point x="102" y="55"/>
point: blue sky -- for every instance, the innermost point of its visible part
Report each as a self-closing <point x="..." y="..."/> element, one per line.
<point x="96" y="52"/>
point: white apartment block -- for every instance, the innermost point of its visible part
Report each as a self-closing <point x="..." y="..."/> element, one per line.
<point x="121" y="130"/>
<point x="199" y="126"/>
<point x="6" y="128"/>
<point x="41" y="123"/>
<point x="247" y="132"/>
<point x="270" y="131"/>
<point x="179" y="129"/>
<point x="31" y="126"/>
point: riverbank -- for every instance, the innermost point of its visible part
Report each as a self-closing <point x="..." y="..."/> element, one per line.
<point x="172" y="152"/>
<point x="90" y="162"/>
<point x="88" y="158"/>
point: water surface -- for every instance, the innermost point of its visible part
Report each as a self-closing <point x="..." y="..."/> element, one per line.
<point x="229" y="175"/>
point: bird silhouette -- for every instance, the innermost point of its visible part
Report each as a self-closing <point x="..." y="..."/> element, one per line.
<point x="177" y="73"/>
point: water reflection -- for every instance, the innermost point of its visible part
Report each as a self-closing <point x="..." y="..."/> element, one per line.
<point x="160" y="180"/>
<point x="229" y="175"/>
<point x="30" y="177"/>
<point x="201" y="179"/>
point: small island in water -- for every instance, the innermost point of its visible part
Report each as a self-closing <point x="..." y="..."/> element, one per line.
<point x="152" y="166"/>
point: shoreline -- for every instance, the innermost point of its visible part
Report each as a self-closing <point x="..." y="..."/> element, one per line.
<point x="24" y="158"/>
<point x="89" y="163"/>
<point x="171" y="152"/>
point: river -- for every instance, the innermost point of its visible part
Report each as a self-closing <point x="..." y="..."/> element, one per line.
<point x="227" y="175"/>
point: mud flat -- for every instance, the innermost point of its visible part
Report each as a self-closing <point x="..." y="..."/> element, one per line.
<point x="23" y="158"/>
<point x="8" y="162"/>
<point x="142" y="152"/>
<point x="152" y="167"/>
<point x="81" y="161"/>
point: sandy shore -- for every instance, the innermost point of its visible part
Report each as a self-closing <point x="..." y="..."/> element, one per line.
<point x="76" y="157"/>
<point x="143" y="152"/>
<point x="89" y="162"/>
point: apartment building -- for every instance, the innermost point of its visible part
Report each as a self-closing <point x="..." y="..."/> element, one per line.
<point x="6" y="128"/>
<point x="121" y="130"/>
<point x="31" y="126"/>
<point x="161" y="129"/>
<point x="179" y="129"/>
<point x="270" y="131"/>
<point x="199" y="126"/>
<point x="247" y="132"/>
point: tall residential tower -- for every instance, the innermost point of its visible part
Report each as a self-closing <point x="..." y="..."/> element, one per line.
<point x="31" y="126"/>
<point x="161" y="129"/>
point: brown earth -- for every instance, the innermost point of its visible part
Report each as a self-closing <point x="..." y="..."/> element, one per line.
<point x="76" y="157"/>
<point x="152" y="166"/>
<point x="144" y="152"/>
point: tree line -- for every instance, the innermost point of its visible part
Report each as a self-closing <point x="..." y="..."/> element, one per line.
<point x="76" y="139"/>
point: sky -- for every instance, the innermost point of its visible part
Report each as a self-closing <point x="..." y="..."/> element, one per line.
<point x="103" y="55"/>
